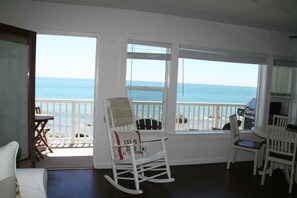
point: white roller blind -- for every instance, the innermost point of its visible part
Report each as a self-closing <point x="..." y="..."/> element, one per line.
<point x="149" y="43"/>
<point x="186" y="51"/>
<point x="285" y="61"/>
<point x="148" y="56"/>
<point x="282" y="74"/>
<point x="148" y="50"/>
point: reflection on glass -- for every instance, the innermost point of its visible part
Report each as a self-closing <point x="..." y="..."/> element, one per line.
<point x="14" y="95"/>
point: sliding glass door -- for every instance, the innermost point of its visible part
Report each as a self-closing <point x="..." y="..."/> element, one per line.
<point x="17" y="74"/>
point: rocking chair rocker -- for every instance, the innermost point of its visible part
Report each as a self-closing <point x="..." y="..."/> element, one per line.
<point x="128" y="160"/>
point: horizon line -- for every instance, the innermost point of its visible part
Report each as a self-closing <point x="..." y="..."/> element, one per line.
<point x="151" y="81"/>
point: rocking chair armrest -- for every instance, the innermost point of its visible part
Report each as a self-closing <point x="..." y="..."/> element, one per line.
<point x="122" y="145"/>
<point x="154" y="139"/>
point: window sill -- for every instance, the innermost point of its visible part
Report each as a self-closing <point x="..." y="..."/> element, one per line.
<point x="216" y="135"/>
<point x="208" y="132"/>
<point x="196" y="132"/>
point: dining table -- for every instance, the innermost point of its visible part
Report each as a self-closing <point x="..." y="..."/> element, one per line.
<point x="260" y="131"/>
<point x="41" y="121"/>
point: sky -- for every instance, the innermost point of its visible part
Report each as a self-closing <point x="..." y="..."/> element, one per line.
<point x="197" y="72"/>
<point x="74" y="57"/>
<point x="223" y="73"/>
<point x="65" y="56"/>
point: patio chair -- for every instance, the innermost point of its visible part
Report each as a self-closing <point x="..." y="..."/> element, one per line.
<point x="148" y="124"/>
<point x="246" y="145"/>
<point x="226" y="126"/>
<point x="281" y="147"/>
<point x="45" y="129"/>
<point x="128" y="160"/>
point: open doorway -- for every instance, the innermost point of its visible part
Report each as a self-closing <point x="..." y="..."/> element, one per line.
<point x="65" y="79"/>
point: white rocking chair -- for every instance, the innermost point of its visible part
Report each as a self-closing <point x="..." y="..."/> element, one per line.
<point x="128" y="160"/>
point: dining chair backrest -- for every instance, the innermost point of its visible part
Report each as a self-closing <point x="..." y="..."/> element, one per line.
<point x="234" y="127"/>
<point x="281" y="143"/>
<point x="283" y="121"/>
<point x="281" y="147"/>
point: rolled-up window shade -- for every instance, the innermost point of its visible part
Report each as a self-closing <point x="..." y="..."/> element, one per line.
<point x="148" y="56"/>
<point x="149" y="43"/>
<point x="148" y="50"/>
<point x="282" y="74"/>
<point x="282" y="61"/>
<point x="191" y="52"/>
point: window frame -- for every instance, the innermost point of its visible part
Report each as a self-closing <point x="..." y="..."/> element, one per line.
<point x="151" y="56"/>
<point x="202" y="53"/>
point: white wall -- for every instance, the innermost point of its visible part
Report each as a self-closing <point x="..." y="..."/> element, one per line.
<point x="113" y="27"/>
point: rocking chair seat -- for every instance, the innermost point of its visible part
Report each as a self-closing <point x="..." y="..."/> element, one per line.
<point x="143" y="159"/>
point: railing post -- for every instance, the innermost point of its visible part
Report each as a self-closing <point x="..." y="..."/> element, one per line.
<point x="73" y="123"/>
<point x="217" y="117"/>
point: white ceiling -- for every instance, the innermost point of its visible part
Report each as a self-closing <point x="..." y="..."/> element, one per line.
<point x="279" y="15"/>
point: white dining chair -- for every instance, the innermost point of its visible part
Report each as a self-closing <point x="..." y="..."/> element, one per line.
<point x="281" y="147"/>
<point x="283" y="121"/>
<point x="247" y="145"/>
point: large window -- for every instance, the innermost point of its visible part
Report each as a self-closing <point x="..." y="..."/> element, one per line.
<point x="146" y="81"/>
<point x="212" y="85"/>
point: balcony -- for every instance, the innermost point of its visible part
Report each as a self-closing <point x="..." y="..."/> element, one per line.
<point x="73" y="123"/>
<point x="73" y="120"/>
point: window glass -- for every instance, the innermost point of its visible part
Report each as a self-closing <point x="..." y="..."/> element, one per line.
<point x="281" y="83"/>
<point x="208" y="92"/>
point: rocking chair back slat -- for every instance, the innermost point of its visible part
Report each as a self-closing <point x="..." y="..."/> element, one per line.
<point x="121" y="111"/>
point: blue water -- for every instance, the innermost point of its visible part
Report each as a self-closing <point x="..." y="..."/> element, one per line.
<point x="66" y="88"/>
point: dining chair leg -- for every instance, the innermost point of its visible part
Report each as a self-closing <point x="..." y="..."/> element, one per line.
<point x="234" y="155"/>
<point x="295" y="176"/>
<point x="260" y="157"/>
<point x="291" y="179"/>
<point x="264" y="172"/>
<point x="255" y="163"/>
<point x="230" y="157"/>
<point x="272" y="168"/>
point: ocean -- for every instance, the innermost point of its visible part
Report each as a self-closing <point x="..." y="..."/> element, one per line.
<point x="70" y="88"/>
<point x="65" y="88"/>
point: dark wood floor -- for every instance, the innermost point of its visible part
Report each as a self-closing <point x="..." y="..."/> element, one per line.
<point x="207" y="180"/>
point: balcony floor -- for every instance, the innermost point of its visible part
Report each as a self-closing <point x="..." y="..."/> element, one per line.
<point x="67" y="156"/>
